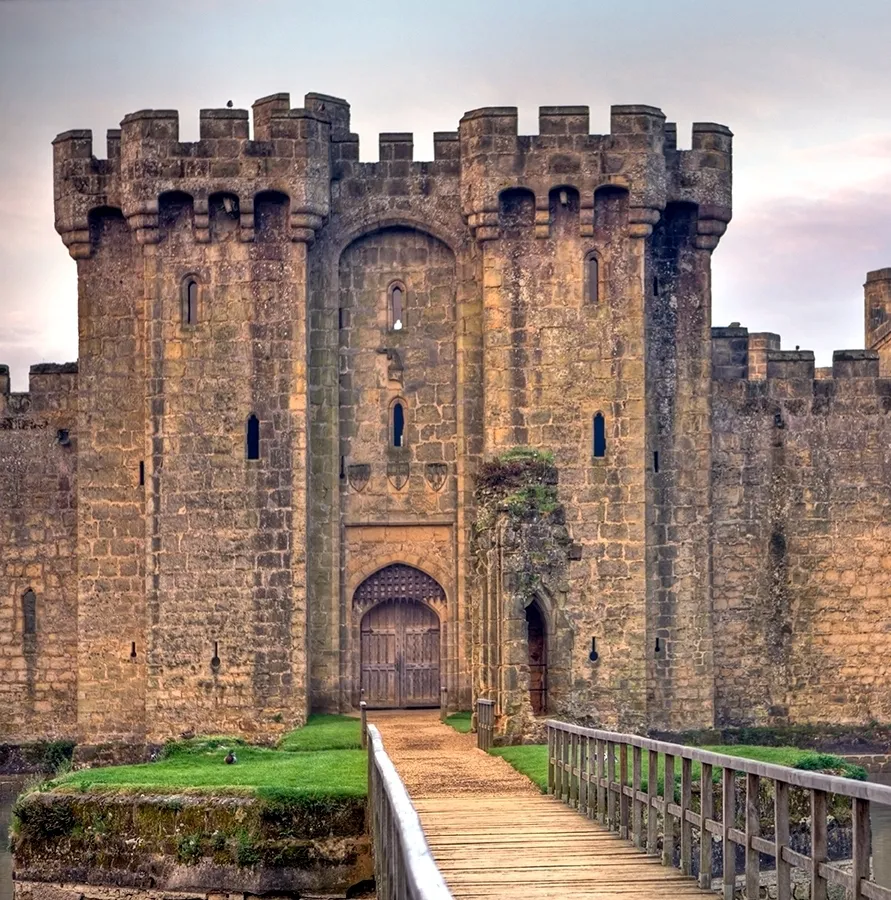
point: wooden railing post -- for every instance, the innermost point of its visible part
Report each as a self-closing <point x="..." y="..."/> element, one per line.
<point x="668" y="818"/>
<point x="707" y="811"/>
<point x="781" y="839"/>
<point x="584" y="784"/>
<point x="590" y="777"/>
<point x="636" y="805"/>
<point x="623" y="797"/>
<point x="819" y="843"/>
<point x="573" y="770"/>
<point x="728" y="816"/>
<point x="601" y="775"/>
<point x="686" y="827"/>
<point x="552" y="779"/>
<point x="753" y="830"/>
<point x="652" y="795"/>
<point x="860" y="867"/>
<point x="610" y="786"/>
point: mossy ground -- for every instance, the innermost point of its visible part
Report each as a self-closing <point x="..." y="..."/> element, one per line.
<point x="532" y="761"/>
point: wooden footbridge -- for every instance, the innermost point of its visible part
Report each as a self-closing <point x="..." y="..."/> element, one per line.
<point x="449" y="820"/>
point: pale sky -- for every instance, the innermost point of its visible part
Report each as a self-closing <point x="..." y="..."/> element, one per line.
<point x="804" y="84"/>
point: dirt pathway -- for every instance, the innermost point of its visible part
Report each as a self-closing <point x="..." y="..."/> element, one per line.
<point x="434" y="760"/>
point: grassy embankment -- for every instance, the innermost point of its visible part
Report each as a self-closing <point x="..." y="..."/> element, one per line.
<point x="322" y="759"/>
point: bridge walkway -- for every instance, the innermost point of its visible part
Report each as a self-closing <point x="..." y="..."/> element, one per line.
<point x="495" y="836"/>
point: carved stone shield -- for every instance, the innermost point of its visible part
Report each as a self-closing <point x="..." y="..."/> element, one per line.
<point x="397" y="472"/>
<point x="358" y="475"/>
<point x="435" y="474"/>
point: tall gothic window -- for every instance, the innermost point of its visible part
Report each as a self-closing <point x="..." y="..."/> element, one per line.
<point x="592" y="279"/>
<point x="253" y="437"/>
<point x="398" y="430"/>
<point x="396" y="306"/>
<point x="190" y="300"/>
<point x="599" y="435"/>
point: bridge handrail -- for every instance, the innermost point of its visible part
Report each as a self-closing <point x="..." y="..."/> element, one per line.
<point x="588" y="770"/>
<point x="404" y="867"/>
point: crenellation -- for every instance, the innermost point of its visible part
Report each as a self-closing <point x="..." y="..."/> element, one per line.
<point x="855" y="364"/>
<point x="790" y="365"/>
<point x="217" y="124"/>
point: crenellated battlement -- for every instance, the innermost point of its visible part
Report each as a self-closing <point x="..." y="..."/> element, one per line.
<point x="639" y="155"/>
<point x="299" y="151"/>
<point x="52" y="387"/>
<point x="741" y="356"/>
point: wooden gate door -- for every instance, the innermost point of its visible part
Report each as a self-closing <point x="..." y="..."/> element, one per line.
<point x="538" y="660"/>
<point x="400" y="656"/>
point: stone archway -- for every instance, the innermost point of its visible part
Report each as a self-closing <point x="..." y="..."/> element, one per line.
<point x="399" y="638"/>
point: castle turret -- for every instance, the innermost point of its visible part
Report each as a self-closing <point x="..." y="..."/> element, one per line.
<point x="877" y="316"/>
<point x="193" y="280"/>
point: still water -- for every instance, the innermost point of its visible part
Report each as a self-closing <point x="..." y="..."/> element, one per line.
<point x="10" y="785"/>
<point x="880" y="818"/>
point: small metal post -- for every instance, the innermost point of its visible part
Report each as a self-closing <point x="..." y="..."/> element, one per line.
<point x="363" y="709"/>
<point x="443" y="704"/>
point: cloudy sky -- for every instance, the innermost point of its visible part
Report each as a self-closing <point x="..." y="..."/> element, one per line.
<point x="804" y="84"/>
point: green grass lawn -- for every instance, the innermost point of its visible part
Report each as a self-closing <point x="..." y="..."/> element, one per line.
<point x="318" y="760"/>
<point x="532" y="761"/>
<point x="460" y="721"/>
<point x="324" y="732"/>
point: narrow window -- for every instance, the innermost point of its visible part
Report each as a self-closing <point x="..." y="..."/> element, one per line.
<point x="190" y="302"/>
<point x="215" y="659"/>
<point x="592" y="279"/>
<point x="141" y="473"/>
<point x="253" y="437"/>
<point x="599" y="435"/>
<point x="133" y="650"/>
<point x="655" y="285"/>
<point x="29" y="613"/>
<point x="396" y="312"/>
<point x="655" y="460"/>
<point x="398" y="425"/>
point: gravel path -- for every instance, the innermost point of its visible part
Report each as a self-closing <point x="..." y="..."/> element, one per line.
<point x="434" y="760"/>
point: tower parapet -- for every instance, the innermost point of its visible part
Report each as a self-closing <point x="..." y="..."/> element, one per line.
<point x="638" y="155"/>
<point x="290" y="153"/>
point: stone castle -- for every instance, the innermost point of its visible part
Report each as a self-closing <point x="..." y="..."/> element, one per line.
<point x="257" y="493"/>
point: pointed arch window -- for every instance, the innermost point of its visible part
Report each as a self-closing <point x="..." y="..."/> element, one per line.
<point x="190" y="296"/>
<point x="592" y="279"/>
<point x="396" y="306"/>
<point x="599" y="436"/>
<point x="253" y="437"/>
<point x="397" y="427"/>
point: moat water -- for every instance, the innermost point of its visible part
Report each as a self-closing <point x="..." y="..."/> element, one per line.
<point x="10" y="785"/>
<point x="880" y="817"/>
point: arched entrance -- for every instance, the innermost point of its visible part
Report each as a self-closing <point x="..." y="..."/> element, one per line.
<point x="536" y="635"/>
<point x="399" y="638"/>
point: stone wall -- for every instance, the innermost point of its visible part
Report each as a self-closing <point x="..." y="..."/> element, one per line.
<point x="38" y="561"/>
<point x="801" y="499"/>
